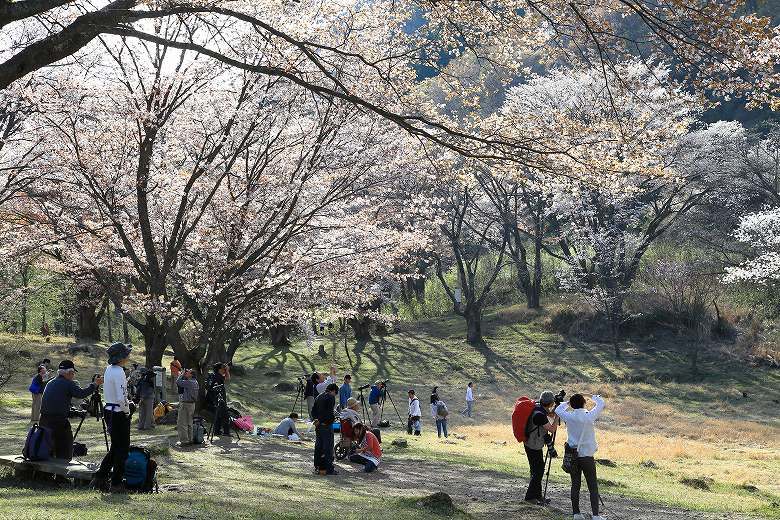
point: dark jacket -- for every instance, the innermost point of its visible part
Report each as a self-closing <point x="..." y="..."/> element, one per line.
<point x="534" y="430"/>
<point x="323" y="409"/>
<point x="58" y="394"/>
<point x="215" y="388"/>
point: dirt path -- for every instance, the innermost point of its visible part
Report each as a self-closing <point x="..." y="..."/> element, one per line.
<point x="481" y="493"/>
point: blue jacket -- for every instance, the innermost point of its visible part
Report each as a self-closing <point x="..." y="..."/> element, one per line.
<point x="376" y="393"/>
<point x="345" y="392"/>
<point x="58" y="393"/>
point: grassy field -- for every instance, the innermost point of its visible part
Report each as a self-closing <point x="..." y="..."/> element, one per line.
<point x="669" y="438"/>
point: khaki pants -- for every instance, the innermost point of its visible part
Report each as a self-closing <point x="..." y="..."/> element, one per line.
<point x="375" y="415"/>
<point x="36" y="408"/>
<point x="184" y="422"/>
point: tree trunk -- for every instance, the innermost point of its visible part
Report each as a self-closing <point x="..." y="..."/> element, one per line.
<point x="154" y="341"/>
<point x="235" y="342"/>
<point x="279" y="334"/>
<point x="362" y="328"/>
<point x="109" y="324"/>
<point x="125" y="331"/>
<point x="87" y="323"/>
<point x="473" y="317"/>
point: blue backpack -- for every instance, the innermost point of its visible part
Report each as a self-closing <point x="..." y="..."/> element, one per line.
<point x="38" y="444"/>
<point x="140" y="470"/>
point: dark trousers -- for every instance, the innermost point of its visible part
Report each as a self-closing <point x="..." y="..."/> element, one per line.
<point x="119" y="426"/>
<point x="368" y="466"/>
<point x="61" y="435"/>
<point x="586" y="466"/>
<point x="536" y="463"/>
<point x="323" y="448"/>
<point x="222" y="418"/>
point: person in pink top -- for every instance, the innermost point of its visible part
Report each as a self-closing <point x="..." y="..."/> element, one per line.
<point x="369" y="452"/>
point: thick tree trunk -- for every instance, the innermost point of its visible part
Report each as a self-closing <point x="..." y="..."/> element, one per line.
<point x="155" y="341"/>
<point x="362" y="328"/>
<point x="279" y="335"/>
<point x="87" y="323"/>
<point x="473" y="317"/>
<point x="235" y="342"/>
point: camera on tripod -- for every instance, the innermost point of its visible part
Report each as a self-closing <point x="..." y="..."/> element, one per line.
<point x="560" y="396"/>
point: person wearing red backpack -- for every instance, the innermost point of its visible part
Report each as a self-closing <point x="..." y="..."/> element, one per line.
<point x="541" y="422"/>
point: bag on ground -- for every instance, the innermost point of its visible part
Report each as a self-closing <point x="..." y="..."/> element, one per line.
<point x="38" y="444"/>
<point x="140" y="470"/>
<point x="520" y="415"/>
<point x="244" y="423"/>
<point x="198" y="430"/>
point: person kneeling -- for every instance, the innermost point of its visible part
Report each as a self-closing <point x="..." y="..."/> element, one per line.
<point x="287" y="427"/>
<point x="369" y="452"/>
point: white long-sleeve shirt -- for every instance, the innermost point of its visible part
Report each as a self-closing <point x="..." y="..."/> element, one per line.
<point x="579" y="424"/>
<point x="321" y="387"/>
<point x="115" y="389"/>
<point x="414" y="408"/>
<point x="469" y="394"/>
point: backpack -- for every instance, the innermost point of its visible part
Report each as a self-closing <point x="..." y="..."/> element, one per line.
<point x="140" y="470"/>
<point x="38" y="444"/>
<point x="524" y="407"/>
<point x="198" y="430"/>
<point x="35" y="386"/>
<point x="441" y="410"/>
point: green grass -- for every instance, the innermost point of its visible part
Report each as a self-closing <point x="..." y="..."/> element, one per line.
<point x="689" y="427"/>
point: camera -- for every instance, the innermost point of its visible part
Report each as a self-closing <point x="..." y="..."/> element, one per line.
<point x="364" y="387"/>
<point x="560" y="396"/>
<point x="384" y="383"/>
<point x="76" y="412"/>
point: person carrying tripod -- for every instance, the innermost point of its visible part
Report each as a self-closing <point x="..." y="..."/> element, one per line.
<point x="217" y="398"/>
<point x="541" y="424"/>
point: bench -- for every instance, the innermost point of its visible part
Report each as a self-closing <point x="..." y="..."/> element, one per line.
<point x="80" y="472"/>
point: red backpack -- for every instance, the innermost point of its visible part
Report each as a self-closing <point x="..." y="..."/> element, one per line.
<point x="523" y="409"/>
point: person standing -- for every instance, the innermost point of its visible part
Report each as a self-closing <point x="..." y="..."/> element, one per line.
<point x="37" y="385"/>
<point x="325" y="381"/>
<point x="537" y="429"/>
<point x="345" y="392"/>
<point x="374" y="403"/>
<point x="118" y="412"/>
<point x="441" y="417"/>
<point x="369" y="452"/>
<point x="469" y="400"/>
<point x="175" y="367"/>
<point x="145" y="395"/>
<point x="216" y="395"/>
<point x="55" y="406"/>
<point x="434" y="400"/>
<point x="414" y="415"/>
<point x="324" y="415"/>
<point x="310" y="391"/>
<point x="582" y="437"/>
<point x="188" y="396"/>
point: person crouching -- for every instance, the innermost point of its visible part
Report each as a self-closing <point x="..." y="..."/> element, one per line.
<point x="369" y="451"/>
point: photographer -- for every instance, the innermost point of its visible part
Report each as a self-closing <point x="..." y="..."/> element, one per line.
<point x="145" y="395"/>
<point x="345" y="391"/>
<point x="188" y="395"/>
<point x="309" y="392"/>
<point x="324" y="415"/>
<point x="324" y="382"/>
<point x="582" y="438"/>
<point x="374" y="402"/>
<point x="37" y="385"/>
<point x="217" y="397"/>
<point x="414" y="415"/>
<point x="55" y="407"/>
<point x="118" y="411"/>
<point x="541" y="423"/>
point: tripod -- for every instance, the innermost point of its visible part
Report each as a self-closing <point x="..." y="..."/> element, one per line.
<point x="96" y="405"/>
<point x="299" y="397"/>
<point x="385" y="396"/>
<point x="548" y="462"/>
<point x="218" y="411"/>
<point x="362" y="405"/>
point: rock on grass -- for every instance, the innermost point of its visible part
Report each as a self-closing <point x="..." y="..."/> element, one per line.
<point x="438" y="503"/>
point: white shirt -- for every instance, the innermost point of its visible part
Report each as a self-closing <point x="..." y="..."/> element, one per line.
<point x="469" y="394"/>
<point x="579" y="424"/>
<point x="414" y="408"/>
<point x="115" y="389"/>
<point x="321" y="387"/>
